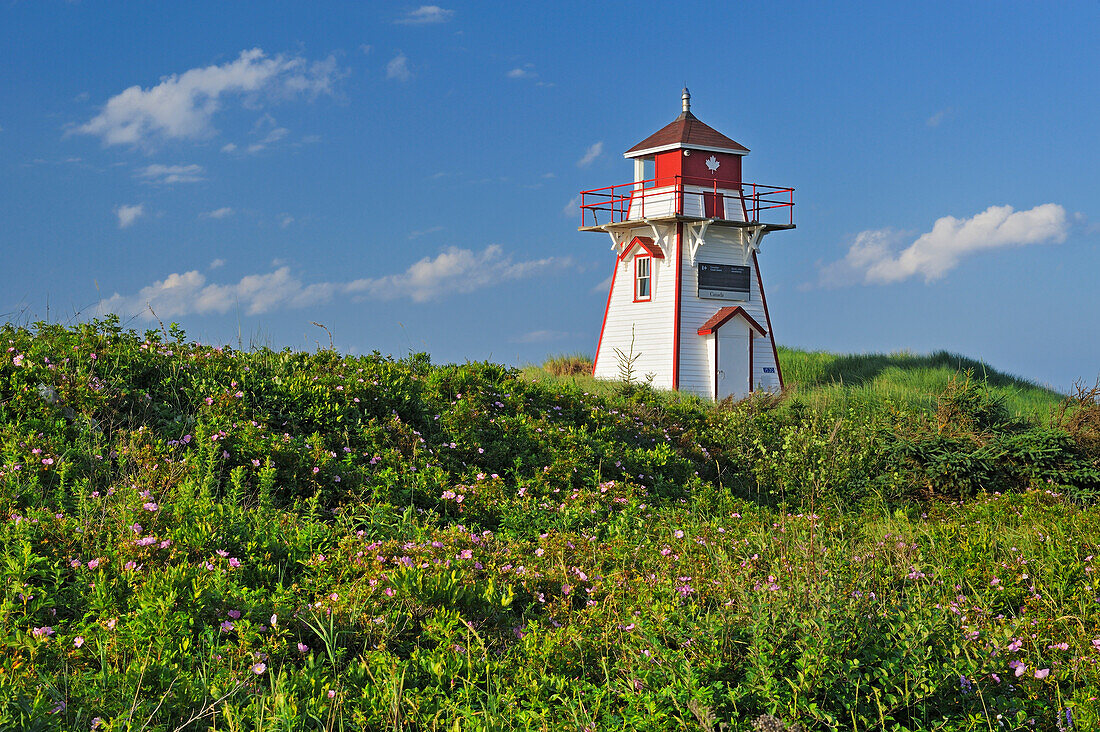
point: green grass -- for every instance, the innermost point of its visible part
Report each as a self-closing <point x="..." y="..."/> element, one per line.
<point x="822" y="378"/>
<point x="827" y="380"/>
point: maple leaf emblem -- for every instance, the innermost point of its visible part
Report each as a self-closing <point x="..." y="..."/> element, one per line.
<point x="712" y="163"/>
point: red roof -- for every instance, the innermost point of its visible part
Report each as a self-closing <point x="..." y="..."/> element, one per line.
<point x="687" y="130"/>
<point x="645" y="242"/>
<point x="719" y="318"/>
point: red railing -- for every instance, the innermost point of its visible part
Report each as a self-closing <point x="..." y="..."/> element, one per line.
<point x="665" y="197"/>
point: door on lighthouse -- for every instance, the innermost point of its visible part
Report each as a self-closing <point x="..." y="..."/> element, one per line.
<point x="732" y="363"/>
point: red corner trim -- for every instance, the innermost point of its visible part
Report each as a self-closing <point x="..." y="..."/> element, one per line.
<point x="610" y="291"/>
<point x="768" y="319"/>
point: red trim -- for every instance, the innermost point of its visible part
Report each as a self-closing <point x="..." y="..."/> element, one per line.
<point x="610" y="291"/>
<point x="649" y="277"/>
<point x="717" y="320"/>
<point x="768" y="320"/>
<point x="646" y="243"/>
<point x="676" y="333"/>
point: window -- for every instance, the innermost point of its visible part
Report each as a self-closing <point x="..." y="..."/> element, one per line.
<point x="643" y="281"/>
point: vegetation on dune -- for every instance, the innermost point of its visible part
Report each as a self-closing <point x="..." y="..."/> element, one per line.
<point x="200" y="538"/>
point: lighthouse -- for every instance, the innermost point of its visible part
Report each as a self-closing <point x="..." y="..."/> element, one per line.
<point x="686" y="306"/>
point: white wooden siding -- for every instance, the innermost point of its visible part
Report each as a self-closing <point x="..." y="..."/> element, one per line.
<point x="722" y="246"/>
<point x="652" y="322"/>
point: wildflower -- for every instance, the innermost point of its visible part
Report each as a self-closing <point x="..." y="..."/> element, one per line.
<point x="303" y="648"/>
<point x="274" y="620"/>
<point x="94" y="563"/>
<point x="565" y="590"/>
<point x="235" y="614"/>
<point x="334" y="597"/>
<point x="331" y="693"/>
<point x="45" y="630"/>
<point x="112" y="623"/>
<point x="539" y="552"/>
<point x="150" y="506"/>
<point x="78" y="641"/>
<point x="678" y="534"/>
<point x="1042" y="673"/>
<point x="234" y="562"/>
<point x="965" y="685"/>
<point x="146" y="541"/>
<point x="165" y="544"/>
<point x="76" y="564"/>
<point x="389" y="592"/>
<point x="259" y="668"/>
<point x="255" y="463"/>
<point x="1018" y="667"/>
<point x="222" y="553"/>
<point x="129" y="566"/>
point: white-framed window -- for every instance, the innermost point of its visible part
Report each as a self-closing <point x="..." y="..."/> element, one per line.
<point x="643" y="278"/>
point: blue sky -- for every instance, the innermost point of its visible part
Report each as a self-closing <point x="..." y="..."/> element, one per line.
<point x="405" y="174"/>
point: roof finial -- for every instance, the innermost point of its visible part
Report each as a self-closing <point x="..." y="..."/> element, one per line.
<point x="686" y="99"/>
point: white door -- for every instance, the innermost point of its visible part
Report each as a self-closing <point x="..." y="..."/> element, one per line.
<point x="733" y="360"/>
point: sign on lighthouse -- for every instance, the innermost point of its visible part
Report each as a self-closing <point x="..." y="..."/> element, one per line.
<point x="687" y="300"/>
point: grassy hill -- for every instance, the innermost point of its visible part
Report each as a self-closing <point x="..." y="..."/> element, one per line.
<point x="202" y="538"/>
<point x="829" y="379"/>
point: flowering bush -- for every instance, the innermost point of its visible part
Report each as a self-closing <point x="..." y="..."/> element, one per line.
<point x="195" y="536"/>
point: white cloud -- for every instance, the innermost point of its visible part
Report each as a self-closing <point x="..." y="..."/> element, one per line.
<point x="129" y="214"/>
<point x="938" y="117"/>
<point x="365" y="47"/>
<point x="453" y="271"/>
<point x="398" y="68"/>
<point x="424" y="232"/>
<point x="229" y="147"/>
<point x="603" y="287"/>
<point x="168" y="174"/>
<point x="274" y="134"/>
<point x="182" y="106"/>
<point x="215" y="264"/>
<point x="875" y="258"/>
<point x="594" y="151"/>
<point x="426" y="14"/>
<point x="285" y="220"/>
<point x="218" y="213"/>
<point x="541" y="336"/>
<point x="526" y="71"/>
<point x="572" y="209"/>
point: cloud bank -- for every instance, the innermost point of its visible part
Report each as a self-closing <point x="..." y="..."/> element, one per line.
<point x="876" y="257"/>
<point x="453" y="271"/>
<point x="182" y="106"/>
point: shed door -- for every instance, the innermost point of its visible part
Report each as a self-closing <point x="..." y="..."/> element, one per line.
<point x="732" y="363"/>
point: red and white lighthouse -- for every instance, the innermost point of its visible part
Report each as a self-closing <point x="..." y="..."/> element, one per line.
<point x="687" y="301"/>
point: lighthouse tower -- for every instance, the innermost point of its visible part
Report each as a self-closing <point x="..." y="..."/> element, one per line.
<point x="687" y="301"/>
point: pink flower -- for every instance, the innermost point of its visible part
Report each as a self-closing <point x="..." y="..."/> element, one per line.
<point x="45" y="630"/>
<point x="334" y="597"/>
<point x="389" y="592"/>
<point x="678" y="534"/>
<point x="235" y="614"/>
<point x="75" y="564"/>
<point x="259" y="668"/>
<point x="1018" y="667"/>
<point x="331" y="693"/>
<point x="94" y="563"/>
<point x="316" y="470"/>
<point x="1042" y="673"/>
<point x="234" y="562"/>
<point x="150" y="506"/>
<point x="303" y="648"/>
<point x="78" y="641"/>
<point x="226" y="626"/>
